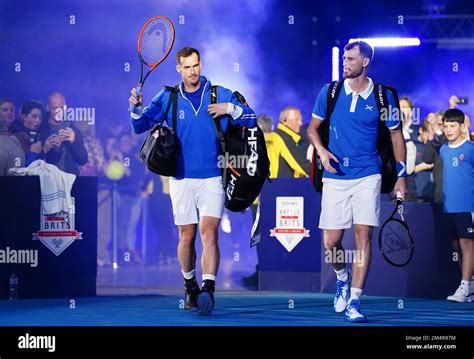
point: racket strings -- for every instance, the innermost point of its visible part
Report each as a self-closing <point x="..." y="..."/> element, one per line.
<point x="396" y="242"/>
<point x="155" y="41"/>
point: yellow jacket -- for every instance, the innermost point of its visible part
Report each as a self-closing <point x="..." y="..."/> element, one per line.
<point x="286" y="158"/>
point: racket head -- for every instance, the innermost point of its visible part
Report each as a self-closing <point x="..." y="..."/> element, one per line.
<point x="155" y="40"/>
<point x="396" y="242"/>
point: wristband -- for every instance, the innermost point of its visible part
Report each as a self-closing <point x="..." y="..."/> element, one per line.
<point x="234" y="110"/>
<point x="402" y="169"/>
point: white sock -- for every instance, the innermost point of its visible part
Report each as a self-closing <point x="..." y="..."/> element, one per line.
<point x="342" y="274"/>
<point x="189" y="275"/>
<point x="355" y="293"/>
<point x="465" y="286"/>
<point x="208" y="277"/>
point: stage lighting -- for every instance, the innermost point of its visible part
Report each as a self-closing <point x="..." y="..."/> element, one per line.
<point x="389" y="41"/>
<point x="335" y="63"/>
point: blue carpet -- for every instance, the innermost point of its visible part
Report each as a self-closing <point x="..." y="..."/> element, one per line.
<point x="233" y="309"/>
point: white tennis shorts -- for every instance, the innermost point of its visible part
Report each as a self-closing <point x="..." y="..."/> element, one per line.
<point x="192" y="198"/>
<point x="350" y="201"/>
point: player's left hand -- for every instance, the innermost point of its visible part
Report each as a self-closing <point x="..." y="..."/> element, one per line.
<point x="400" y="187"/>
<point x="217" y="109"/>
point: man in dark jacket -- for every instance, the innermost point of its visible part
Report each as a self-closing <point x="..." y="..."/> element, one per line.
<point x="63" y="144"/>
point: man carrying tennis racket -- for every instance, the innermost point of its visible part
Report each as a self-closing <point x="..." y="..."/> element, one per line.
<point x="197" y="193"/>
<point x="352" y="171"/>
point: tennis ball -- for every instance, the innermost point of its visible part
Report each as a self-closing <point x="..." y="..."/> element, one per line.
<point x="115" y="170"/>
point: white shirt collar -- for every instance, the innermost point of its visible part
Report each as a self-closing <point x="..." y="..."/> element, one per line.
<point x="458" y="145"/>
<point x="364" y="94"/>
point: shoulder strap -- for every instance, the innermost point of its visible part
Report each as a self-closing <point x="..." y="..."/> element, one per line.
<point x="334" y="90"/>
<point x="173" y="99"/>
<point x="241" y="98"/>
<point x="216" y="121"/>
<point x="381" y="98"/>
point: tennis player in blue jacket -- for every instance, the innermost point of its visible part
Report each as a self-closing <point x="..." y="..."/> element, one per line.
<point x="197" y="193"/>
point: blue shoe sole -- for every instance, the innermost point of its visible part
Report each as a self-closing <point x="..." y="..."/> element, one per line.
<point x="205" y="303"/>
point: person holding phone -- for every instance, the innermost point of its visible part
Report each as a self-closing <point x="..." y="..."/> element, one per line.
<point x="63" y="144"/>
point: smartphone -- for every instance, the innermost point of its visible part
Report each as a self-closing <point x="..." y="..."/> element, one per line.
<point x="56" y="128"/>
<point x="463" y="101"/>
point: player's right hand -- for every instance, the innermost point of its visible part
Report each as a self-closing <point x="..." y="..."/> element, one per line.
<point x="134" y="99"/>
<point x="326" y="157"/>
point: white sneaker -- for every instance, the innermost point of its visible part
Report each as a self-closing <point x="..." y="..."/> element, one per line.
<point x="342" y="293"/>
<point x="460" y="297"/>
<point x="354" y="314"/>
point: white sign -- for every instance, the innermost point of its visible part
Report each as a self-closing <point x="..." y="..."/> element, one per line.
<point x="57" y="230"/>
<point x="289" y="228"/>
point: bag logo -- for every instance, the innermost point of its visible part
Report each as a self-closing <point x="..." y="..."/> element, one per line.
<point x="252" y="162"/>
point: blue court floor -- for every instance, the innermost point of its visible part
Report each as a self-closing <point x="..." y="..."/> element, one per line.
<point x="242" y="308"/>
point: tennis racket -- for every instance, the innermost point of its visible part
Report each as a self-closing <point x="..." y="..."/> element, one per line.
<point x="155" y="42"/>
<point x="395" y="239"/>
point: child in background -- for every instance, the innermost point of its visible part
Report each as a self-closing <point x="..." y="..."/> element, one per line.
<point x="458" y="194"/>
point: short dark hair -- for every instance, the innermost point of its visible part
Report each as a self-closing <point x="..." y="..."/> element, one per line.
<point x="365" y="49"/>
<point x="29" y="106"/>
<point x="185" y="52"/>
<point x="454" y="115"/>
<point x="407" y="99"/>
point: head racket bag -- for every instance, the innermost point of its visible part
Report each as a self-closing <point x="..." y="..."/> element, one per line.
<point x="242" y="183"/>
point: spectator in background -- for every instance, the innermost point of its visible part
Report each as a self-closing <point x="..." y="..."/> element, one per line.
<point x="431" y="153"/>
<point x="63" y="144"/>
<point x="468" y="132"/>
<point x="410" y="128"/>
<point x="458" y="195"/>
<point x="31" y="116"/>
<point x="95" y="165"/>
<point x="12" y="151"/>
<point x="410" y="133"/>
<point x="7" y="115"/>
<point x="114" y="169"/>
<point x="265" y="123"/>
<point x="423" y="171"/>
<point x="132" y="194"/>
<point x="287" y="157"/>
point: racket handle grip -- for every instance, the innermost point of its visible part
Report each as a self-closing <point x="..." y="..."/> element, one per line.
<point x="132" y="108"/>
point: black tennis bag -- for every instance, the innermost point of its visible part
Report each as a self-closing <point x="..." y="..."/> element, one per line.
<point x="160" y="150"/>
<point x="246" y="158"/>
<point x="384" y="140"/>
